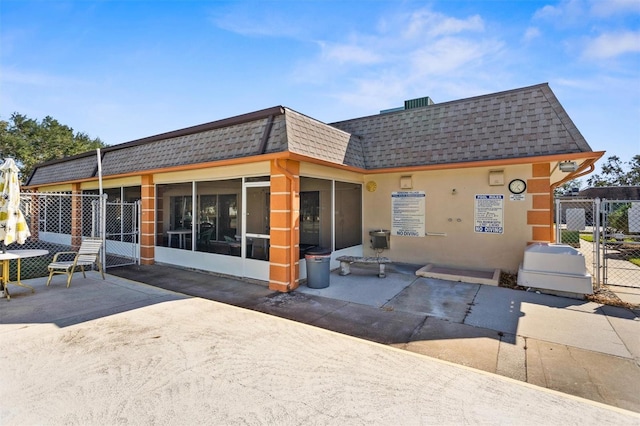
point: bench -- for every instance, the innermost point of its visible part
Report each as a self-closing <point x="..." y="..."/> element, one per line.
<point x="346" y="261"/>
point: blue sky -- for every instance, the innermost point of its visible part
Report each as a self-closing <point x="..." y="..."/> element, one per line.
<point x="123" y="70"/>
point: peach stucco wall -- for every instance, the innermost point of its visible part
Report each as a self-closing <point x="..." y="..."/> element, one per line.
<point x="449" y="211"/>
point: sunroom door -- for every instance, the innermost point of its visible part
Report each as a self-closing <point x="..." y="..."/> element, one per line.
<point x="255" y="239"/>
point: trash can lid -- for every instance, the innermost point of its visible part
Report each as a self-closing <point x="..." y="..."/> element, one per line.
<point x="318" y="251"/>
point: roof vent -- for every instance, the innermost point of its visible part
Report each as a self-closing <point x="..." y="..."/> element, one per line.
<point x="410" y="104"/>
<point x="417" y="103"/>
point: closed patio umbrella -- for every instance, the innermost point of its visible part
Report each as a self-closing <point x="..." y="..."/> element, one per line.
<point x="13" y="226"/>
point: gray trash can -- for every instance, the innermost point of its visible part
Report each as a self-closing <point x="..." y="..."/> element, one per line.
<point x="318" y="267"/>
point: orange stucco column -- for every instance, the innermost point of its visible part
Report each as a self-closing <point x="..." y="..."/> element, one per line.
<point x="147" y="227"/>
<point x="76" y="216"/>
<point x="539" y="216"/>
<point x="284" y="271"/>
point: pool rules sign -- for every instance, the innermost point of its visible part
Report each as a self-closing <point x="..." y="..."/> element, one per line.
<point x="407" y="213"/>
<point x="489" y="214"/>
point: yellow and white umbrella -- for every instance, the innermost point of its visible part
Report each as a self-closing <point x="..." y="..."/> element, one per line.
<point x="13" y="226"/>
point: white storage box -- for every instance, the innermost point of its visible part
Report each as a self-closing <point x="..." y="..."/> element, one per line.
<point x="557" y="267"/>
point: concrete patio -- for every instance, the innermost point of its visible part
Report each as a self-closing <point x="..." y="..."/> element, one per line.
<point x="119" y="350"/>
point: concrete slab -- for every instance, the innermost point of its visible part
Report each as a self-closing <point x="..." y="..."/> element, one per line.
<point x="465" y="275"/>
<point x="442" y="299"/>
<point x="627" y="294"/>
<point x="51" y="304"/>
<point x="534" y="315"/>
<point x="587" y="374"/>
<point x="391" y="324"/>
<point x="298" y="306"/>
<point x="360" y="287"/>
<point x="195" y="361"/>
<point x="462" y="344"/>
<point x="375" y="324"/>
<point x="198" y="284"/>
<point x="512" y="357"/>
<point x="626" y="325"/>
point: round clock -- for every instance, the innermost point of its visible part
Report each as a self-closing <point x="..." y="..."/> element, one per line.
<point x="371" y="186"/>
<point x="517" y="186"/>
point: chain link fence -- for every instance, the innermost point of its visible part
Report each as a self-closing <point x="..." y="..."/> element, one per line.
<point x="576" y="225"/>
<point x="122" y="228"/>
<point x="607" y="233"/>
<point x="621" y="243"/>
<point x="58" y="222"/>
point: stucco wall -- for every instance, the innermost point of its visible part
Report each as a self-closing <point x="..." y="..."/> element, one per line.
<point x="214" y="173"/>
<point x="451" y="213"/>
<point x="112" y="183"/>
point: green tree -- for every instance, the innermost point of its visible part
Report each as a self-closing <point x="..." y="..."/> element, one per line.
<point x="612" y="173"/>
<point x="30" y="142"/>
<point x="618" y="220"/>
<point x="567" y="187"/>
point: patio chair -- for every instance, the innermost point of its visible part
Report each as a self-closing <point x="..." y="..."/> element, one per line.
<point x="87" y="255"/>
<point x="204" y="239"/>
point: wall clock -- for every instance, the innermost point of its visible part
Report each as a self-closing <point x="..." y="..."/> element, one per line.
<point x="517" y="186"/>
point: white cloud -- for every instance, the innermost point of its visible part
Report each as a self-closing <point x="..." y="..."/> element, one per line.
<point x="246" y="23"/>
<point x="348" y="53"/>
<point x="35" y="78"/>
<point x="385" y="90"/>
<point x="606" y="8"/>
<point x="531" y="33"/>
<point x="405" y="54"/>
<point x="577" y="11"/>
<point x="427" y="23"/>
<point x="449" y="54"/>
<point x="566" y="12"/>
<point x="610" y="45"/>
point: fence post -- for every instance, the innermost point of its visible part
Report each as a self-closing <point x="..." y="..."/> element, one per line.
<point x="103" y="228"/>
<point x="558" y="222"/>
<point x="597" y="242"/>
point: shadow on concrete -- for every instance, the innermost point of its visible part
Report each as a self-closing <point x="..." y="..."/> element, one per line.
<point x="85" y="300"/>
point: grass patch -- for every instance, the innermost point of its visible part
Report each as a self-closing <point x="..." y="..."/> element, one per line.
<point x="571" y="238"/>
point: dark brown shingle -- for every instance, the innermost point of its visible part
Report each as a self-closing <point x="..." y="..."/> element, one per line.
<point x="523" y="122"/>
<point x="518" y="123"/>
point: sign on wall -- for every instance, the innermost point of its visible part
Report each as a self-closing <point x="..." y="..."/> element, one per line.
<point x="489" y="214"/>
<point x="408" y="213"/>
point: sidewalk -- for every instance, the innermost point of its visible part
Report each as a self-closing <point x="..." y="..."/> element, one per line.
<point x="120" y="351"/>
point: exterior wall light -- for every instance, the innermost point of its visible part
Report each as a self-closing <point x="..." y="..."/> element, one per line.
<point x="406" y="182"/>
<point x="568" y="166"/>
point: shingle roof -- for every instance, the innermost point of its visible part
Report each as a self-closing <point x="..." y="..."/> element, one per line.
<point x="235" y="137"/>
<point x="77" y="168"/>
<point x="612" y="192"/>
<point x="240" y="140"/>
<point x="518" y="123"/>
<point x="276" y="130"/>
<point x="312" y="138"/>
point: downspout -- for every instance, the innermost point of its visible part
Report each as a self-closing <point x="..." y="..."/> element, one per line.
<point x="293" y="258"/>
<point x="553" y="187"/>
